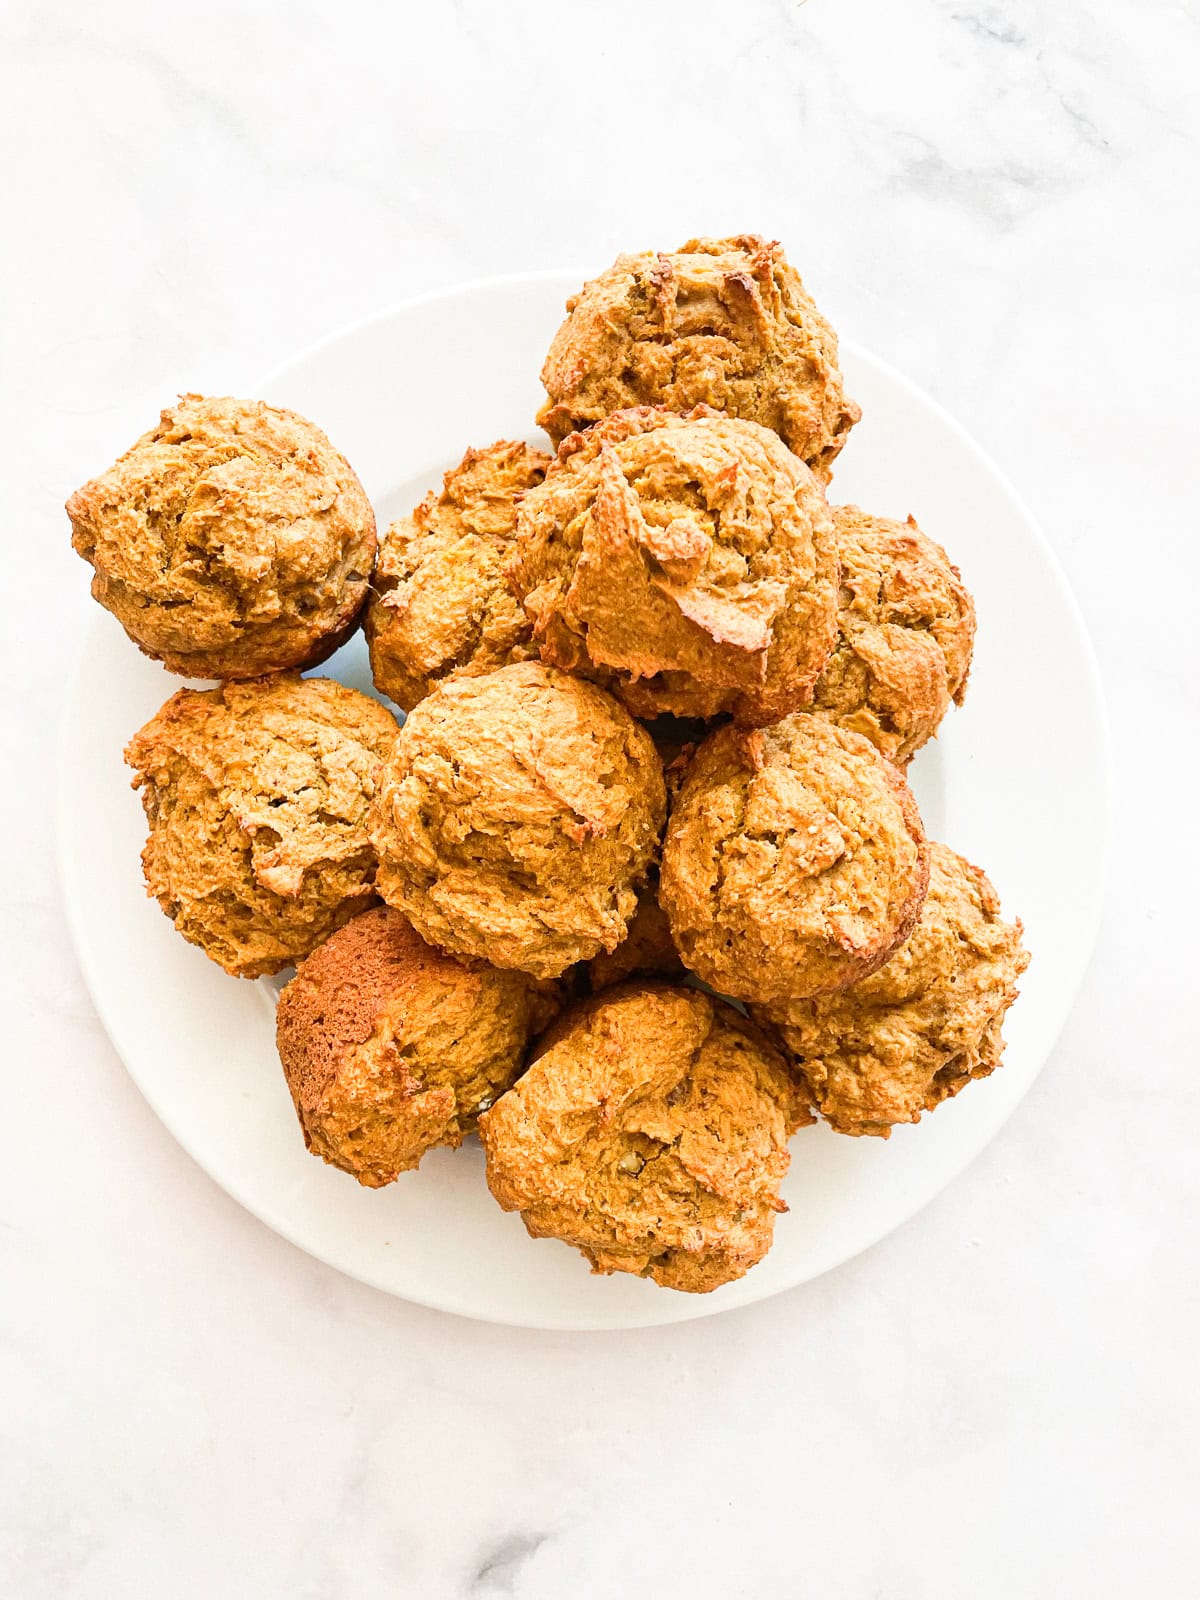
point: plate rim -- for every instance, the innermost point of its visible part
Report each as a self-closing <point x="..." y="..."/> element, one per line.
<point x="685" y="1308"/>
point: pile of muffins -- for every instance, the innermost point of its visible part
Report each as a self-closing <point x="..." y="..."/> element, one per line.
<point x="637" y="887"/>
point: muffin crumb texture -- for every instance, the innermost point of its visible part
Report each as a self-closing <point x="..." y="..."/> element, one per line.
<point x="256" y="795"/>
<point x="230" y="541"/>
<point x="441" y="607"/>
<point x="517" y="817"/>
<point x="686" y="562"/>
<point x="647" y="951"/>
<point x="906" y="630"/>
<point x="650" y="1132"/>
<point x="916" y="1032"/>
<point x="391" y="1048"/>
<point x="721" y="322"/>
<point x="795" y="860"/>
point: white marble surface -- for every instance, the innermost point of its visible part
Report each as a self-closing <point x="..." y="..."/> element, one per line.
<point x="1001" y="1399"/>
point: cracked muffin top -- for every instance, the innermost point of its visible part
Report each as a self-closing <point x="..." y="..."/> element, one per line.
<point x="794" y="860"/>
<point x="687" y="563"/>
<point x="391" y="1048"/>
<point x="516" y="818"/>
<point x="440" y="606"/>
<point x="230" y="541"/>
<point x="649" y="1131"/>
<point x="903" y="1040"/>
<point x="721" y="322"/>
<point x="906" y="629"/>
<point x="256" y="795"/>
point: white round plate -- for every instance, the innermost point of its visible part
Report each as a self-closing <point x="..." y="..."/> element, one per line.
<point x="1017" y="782"/>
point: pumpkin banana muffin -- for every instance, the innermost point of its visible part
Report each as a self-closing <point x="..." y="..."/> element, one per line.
<point x="256" y="795"/>
<point x="391" y="1048"/>
<point x="916" y="1032"/>
<point x="687" y="563"/>
<point x="441" y="607"/>
<point x="650" y="1132"/>
<point x="230" y="541"/>
<point x="723" y="322"/>
<point x="906" y="629"/>
<point x="516" y="819"/>
<point x="794" y="861"/>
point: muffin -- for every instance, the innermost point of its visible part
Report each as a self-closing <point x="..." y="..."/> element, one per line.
<point x="516" y="818"/>
<point x="647" y="951"/>
<point x="794" y="861"/>
<point x="650" y="1132"/>
<point x="230" y="541"/>
<point x="257" y="795"/>
<point x="722" y="322"/>
<point x="391" y="1048"/>
<point x="913" y="1034"/>
<point x="687" y="563"/>
<point x="906" y="629"/>
<point x="441" y="607"/>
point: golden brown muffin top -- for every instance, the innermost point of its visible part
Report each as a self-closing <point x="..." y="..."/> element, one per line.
<point x="794" y="860"/>
<point x="230" y="541"/>
<point x="686" y="562"/>
<point x="912" y="1034"/>
<point x="650" y="1132"/>
<point x="517" y="815"/>
<point x="721" y="322"/>
<point x="441" y="607"/>
<point x="391" y="1048"/>
<point x="256" y="794"/>
<point x="906" y="629"/>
